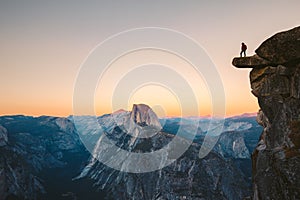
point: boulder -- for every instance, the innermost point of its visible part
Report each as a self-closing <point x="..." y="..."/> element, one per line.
<point x="281" y="48"/>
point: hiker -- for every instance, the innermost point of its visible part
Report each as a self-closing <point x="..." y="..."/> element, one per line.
<point x="243" y="48"/>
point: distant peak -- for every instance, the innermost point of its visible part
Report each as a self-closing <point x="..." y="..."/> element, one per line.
<point x="143" y="115"/>
<point x="140" y="106"/>
<point x="140" y="109"/>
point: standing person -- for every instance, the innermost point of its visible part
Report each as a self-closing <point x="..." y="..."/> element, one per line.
<point x="243" y="48"/>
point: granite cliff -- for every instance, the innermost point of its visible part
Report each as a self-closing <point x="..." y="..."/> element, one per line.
<point x="275" y="81"/>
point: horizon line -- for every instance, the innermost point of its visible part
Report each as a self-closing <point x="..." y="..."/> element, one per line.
<point x="246" y="114"/>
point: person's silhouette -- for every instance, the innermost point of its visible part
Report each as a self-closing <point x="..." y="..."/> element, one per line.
<point x="243" y="48"/>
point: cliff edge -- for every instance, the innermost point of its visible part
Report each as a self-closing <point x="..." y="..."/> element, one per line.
<point x="275" y="81"/>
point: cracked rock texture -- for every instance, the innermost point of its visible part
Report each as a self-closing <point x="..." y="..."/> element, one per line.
<point x="276" y="159"/>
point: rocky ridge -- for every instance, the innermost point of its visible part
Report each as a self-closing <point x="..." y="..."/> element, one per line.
<point x="275" y="81"/>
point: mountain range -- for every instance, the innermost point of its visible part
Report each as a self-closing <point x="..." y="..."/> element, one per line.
<point x="53" y="158"/>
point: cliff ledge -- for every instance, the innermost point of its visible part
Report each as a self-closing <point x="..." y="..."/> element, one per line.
<point x="275" y="81"/>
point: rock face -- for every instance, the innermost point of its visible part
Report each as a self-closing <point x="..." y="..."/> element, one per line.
<point x="142" y="121"/>
<point x="281" y="48"/>
<point x="276" y="159"/>
<point x="143" y="115"/>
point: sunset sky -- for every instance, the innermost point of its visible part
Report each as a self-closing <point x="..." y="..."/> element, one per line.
<point x="45" y="43"/>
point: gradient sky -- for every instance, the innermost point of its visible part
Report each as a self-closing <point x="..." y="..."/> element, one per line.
<point x="44" y="43"/>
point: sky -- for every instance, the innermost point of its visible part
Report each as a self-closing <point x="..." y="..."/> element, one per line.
<point x="44" y="45"/>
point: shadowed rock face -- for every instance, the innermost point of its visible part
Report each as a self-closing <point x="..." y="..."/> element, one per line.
<point x="276" y="159"/>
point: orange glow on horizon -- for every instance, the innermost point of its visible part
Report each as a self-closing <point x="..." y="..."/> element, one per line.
<point x="65" y="111"/>
<point x="40" y="59"/>
<point x="49" y="102"/>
